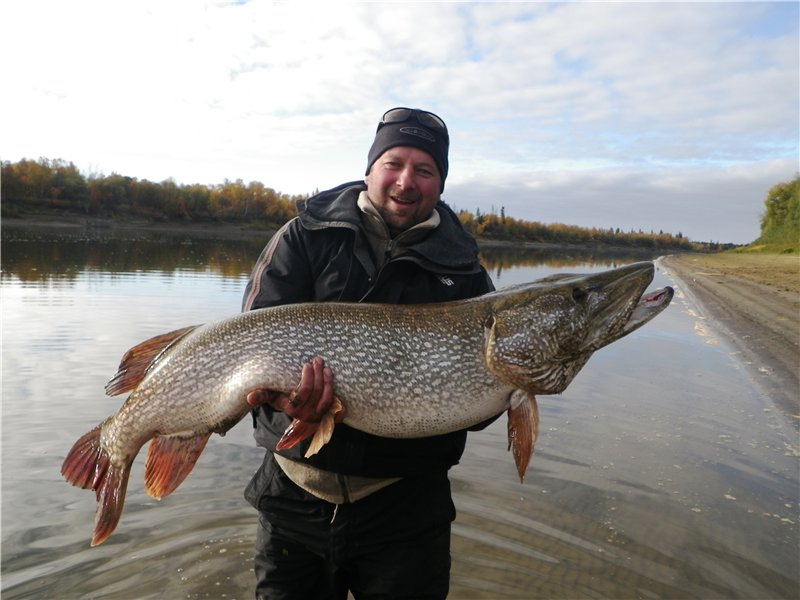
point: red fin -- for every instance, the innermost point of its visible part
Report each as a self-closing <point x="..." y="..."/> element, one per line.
<point x="110" y="501"/>
<point x="296" y="432"/>
<point x="169" y="461"/>
<point x="88" y="466"/>
<point x="523" y="429"/>
<point x="134" y="363"/>
<point x="86" y="462"/>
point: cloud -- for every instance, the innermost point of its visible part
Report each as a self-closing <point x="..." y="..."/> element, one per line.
<point x="703" y="204"/>
<point x="606" y="94"/>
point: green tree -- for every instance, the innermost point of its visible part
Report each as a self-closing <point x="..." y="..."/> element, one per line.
<point x="781" y="219"/>
<point x="68" y="186"/>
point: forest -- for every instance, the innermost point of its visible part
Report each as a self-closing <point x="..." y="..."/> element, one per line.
<point x="53" y="185"/>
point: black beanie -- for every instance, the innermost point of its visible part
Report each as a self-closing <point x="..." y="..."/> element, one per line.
<point x="411" y="133"/>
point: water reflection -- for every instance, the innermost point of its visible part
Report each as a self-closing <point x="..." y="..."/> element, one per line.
<point x="538" y="262"/>
<point x="661" y="472"/>
<point x="34" y="257"/>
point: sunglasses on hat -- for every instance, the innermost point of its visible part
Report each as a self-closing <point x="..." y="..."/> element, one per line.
<point x="423" y="117"/>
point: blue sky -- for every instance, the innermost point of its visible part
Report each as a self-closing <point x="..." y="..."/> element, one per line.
<point x="652" y="116"/>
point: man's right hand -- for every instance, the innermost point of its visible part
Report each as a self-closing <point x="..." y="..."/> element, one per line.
<point x="309" y="401"/>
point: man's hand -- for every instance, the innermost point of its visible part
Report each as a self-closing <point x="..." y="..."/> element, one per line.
<point x="309" y="401"/>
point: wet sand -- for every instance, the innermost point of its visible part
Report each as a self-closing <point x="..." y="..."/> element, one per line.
<point x="753" y="300"/>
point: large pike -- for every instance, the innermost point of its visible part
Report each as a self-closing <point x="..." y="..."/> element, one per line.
<point x="400" y="371"/>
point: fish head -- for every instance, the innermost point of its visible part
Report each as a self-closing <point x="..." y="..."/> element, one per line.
<point x="539" y="335"/>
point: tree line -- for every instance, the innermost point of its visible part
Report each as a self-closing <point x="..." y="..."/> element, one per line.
<point x="501" y="227"/>
<point x="46" y="184"/>
<point x="57" y="184"/>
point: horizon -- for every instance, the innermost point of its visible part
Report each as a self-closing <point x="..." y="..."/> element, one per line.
<point x="496" y="211"/>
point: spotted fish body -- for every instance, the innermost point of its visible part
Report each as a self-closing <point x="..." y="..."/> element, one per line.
<point x="400" y="370"/>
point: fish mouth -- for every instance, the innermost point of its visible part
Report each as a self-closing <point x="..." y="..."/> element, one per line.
<point x="627" y="305"/>
<point x="649" y="305"/>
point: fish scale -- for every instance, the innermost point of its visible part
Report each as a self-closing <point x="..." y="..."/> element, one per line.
<point x="401" y="371"/>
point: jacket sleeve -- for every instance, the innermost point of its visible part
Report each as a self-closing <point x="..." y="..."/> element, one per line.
<point x="486" y="285"/>
<point x="282" y="274"/>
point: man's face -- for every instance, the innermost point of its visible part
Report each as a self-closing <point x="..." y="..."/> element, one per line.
<point x="403" y="185"/>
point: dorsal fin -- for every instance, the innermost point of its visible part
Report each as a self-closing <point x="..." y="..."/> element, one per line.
<point x="135" y="362"/>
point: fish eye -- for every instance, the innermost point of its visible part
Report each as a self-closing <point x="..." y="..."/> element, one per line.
<point x="579" y="294"/>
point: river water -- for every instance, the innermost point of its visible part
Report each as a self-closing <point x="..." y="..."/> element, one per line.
<point x="662" y="472"/>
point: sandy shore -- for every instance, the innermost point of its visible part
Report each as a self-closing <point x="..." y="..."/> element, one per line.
<point x="754" y="302"/>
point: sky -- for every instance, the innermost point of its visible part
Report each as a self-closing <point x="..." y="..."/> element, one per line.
<point x="674" y="117"/>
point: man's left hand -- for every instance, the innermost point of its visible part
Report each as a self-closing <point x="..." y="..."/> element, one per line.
<point x="309" y="401"/>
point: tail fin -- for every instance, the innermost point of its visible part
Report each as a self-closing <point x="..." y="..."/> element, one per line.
<point x="88" y="466"/>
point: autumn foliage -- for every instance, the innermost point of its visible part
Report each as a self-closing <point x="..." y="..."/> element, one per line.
<point x="56" y="184"/>
<point x="501" y="227"/>
<point x="45" y="185"/>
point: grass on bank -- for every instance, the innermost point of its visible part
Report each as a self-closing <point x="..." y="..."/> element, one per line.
<point x="774" y="248"/>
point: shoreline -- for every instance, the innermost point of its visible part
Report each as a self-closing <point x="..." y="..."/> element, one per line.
<point x="102" y="227"/>
<point x="753" y="301"/>
<point x="96" y="227"/>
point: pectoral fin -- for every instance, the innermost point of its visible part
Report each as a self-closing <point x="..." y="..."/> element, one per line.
<point x="323" y="433"/>
<point x="523" y="429"/>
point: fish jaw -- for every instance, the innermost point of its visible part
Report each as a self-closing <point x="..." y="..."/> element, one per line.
<point x="649" y="306"/>
<point x="619" y="305"/>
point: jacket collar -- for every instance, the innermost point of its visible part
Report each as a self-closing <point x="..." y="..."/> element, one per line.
<point x="448" y="245"/>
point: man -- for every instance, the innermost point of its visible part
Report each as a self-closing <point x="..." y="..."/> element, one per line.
<point x="366" y="514"/>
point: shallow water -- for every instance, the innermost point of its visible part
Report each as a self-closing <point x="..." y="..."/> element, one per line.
<point x="662" y="472"/>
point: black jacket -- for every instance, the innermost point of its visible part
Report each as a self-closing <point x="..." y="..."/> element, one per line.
<point x="323" y="255"/>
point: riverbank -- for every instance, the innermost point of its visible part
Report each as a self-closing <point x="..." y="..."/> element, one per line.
<point x="97" y="227"/>
<point x="753" y="301"/>
<point x="89" y="228"/>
